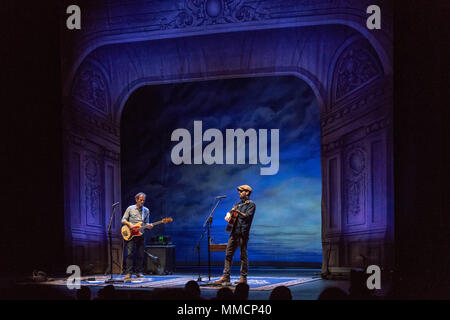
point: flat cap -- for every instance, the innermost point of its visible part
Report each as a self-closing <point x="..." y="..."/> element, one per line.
<point x="244" y="187"/>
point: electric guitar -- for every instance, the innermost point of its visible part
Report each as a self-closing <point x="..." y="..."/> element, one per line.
<point x="135" y="231"/>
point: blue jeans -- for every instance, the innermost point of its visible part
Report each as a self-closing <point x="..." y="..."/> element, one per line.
<point x="135" y="246"/>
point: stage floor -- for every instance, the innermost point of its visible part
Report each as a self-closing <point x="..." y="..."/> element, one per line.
<point x="304" y="284"/>
<point x="261" y="283"/>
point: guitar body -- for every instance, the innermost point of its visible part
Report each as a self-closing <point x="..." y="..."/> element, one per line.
<point x="129" y="233"/>
<point x="232" y="221"/>
<point x="135" y="231"/>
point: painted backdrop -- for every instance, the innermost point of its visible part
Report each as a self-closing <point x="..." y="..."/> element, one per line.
<point x="287" y="223"/>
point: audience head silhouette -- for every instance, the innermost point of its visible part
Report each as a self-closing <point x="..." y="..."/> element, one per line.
<point x="281" y="293"/>
<point x="84" y="293"/>
<point x="333" y="293"/>
<point x="107" y="293"/>
<point x="241" y="291"/>
<point x="192" y="289"/>
<point x="224" y="294"/>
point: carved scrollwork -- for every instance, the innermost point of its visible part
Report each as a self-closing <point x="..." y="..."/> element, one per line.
<point x="91" y="169"/>
<point x="209" y="12"/>
<point x="355" y="68"/>
<point x="93" y="187"/>
<point x="354" y="186"/>
<point x="248" y="13"/>
<point x="91" y="88"/>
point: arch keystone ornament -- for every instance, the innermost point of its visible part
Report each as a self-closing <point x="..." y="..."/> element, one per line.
<point x="213" y="8"/>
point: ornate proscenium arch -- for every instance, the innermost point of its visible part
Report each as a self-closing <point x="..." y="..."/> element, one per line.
<point x="165" y="21"/>
<point x="348" y="68"/>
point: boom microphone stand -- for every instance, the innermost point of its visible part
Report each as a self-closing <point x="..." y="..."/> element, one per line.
<point x="111" y="280"/>
<point x="207" y="227"/>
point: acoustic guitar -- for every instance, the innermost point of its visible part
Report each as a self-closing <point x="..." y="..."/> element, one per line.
<point x="234" y="213"/>
<point x="135" y="231"/>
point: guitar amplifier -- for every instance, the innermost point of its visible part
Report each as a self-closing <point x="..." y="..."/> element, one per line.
<point x="160" y="259"/>
<point x="160" y="240"/>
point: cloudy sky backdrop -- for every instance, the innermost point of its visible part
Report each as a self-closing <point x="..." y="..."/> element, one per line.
<point x="287" y="222"/>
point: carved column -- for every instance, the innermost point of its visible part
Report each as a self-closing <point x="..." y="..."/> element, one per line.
<point x="357" y="163"/>
<point x="92" y="171"/>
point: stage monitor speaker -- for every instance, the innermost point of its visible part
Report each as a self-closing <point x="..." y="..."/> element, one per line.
<point x="165" y="255"/>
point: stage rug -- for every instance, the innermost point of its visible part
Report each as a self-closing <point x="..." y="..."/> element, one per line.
<point x="266" y="283"/>
<point x="173" y="281"/>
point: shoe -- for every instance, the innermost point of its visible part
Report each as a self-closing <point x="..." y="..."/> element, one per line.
<point x="222" y="280"/>
<point x="139" y="275"/>
<point x="242" y="280"/>
<point x="127" y="277"/>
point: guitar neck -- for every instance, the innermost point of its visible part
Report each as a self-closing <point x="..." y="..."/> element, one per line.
<point x="153" y="223"/>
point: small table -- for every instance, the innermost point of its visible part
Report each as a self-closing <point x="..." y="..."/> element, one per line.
<point x="217" y="247"/>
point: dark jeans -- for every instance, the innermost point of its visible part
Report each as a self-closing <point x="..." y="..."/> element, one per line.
<point x="135" y="246"/>
<point x="235" y="241"/>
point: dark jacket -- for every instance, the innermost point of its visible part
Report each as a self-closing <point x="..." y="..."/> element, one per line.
<point x="243" y="224"/>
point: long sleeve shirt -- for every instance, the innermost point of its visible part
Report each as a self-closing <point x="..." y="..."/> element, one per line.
<point x="134" y="215"/>
<point x="243" y="224"/>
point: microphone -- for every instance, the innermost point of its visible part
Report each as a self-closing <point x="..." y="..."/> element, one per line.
<point x="115" y="204"/>
<point x="221" y="197"/>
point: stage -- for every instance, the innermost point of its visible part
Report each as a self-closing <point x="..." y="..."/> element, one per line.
<point x="178" y="281"/>
<point x="304" y="284"/>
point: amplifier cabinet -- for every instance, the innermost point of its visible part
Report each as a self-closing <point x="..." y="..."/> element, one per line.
<point x="166" y="256"/>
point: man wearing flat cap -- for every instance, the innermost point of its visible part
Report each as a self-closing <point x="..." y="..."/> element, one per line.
<point x="239" y="234"/>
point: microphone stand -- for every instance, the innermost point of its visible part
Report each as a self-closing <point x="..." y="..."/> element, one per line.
<point x="111" y="280"/>
<point x="206" y="227"/>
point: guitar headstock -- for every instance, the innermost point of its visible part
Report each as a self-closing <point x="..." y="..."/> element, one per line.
<point x="166" y="220"/>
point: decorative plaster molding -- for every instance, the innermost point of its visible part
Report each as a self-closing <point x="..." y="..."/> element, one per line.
<point x="91" y="88"/>
<point x="355" y="68"/>
<point x="210" y="12"/>
<point x="335" y="145"/>
<point x="369" y="129"/>
<point x="378" y="125"/>
<point x="93" y="187"/>
<point x="92" y="121"/>
<point x="354" y="184"/>
<point x="366" y="98"/>
<point x="111" y="155"/>
<point x="114" y="22"/>
<point x="74" y="139"/>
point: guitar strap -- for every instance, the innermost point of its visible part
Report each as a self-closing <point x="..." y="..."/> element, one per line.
<point x="239" y="205"/>
<point x="245" y="202"/>
<point x="143" y="215"/>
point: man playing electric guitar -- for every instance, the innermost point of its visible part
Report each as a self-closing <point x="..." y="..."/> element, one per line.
<point x="133" y="215"/>
<point x="240" y="219"/>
